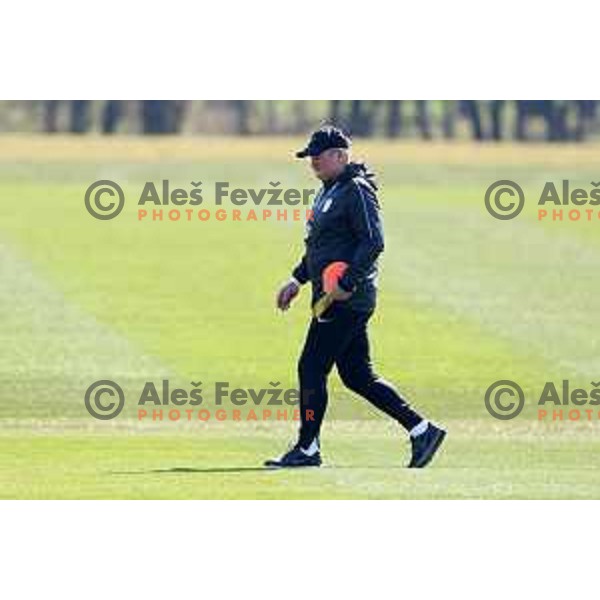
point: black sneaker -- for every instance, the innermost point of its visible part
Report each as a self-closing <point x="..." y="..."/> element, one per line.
<point x="424" y="446"/>
<point x="295" y="458"/>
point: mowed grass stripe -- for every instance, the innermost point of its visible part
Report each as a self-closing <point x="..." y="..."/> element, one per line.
<point x="361" y="462"/>
<point x="175" y="290"/>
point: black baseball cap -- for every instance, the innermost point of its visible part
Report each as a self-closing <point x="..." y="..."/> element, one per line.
<point x="324" y="139"/>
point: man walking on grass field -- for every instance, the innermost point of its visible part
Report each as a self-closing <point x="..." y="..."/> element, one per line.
<point x="344" y="238"/>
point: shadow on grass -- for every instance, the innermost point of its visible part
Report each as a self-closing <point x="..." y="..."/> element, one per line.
<point x="249" y="469"/>
<point x="195" y="470"/>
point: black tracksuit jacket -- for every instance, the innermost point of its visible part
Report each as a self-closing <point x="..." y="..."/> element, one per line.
<point x="345" y="226"/>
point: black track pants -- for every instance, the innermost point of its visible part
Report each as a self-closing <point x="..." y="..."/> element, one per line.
<point x="341" y="337"/>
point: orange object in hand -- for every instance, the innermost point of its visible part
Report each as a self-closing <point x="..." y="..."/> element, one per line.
<point x="332" y="273"/>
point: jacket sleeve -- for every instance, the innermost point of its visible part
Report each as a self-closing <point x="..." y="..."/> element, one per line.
<point x="300" y="272"/>
<point x="365" y="222"/>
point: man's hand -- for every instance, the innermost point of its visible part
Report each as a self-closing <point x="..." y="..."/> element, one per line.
<point x="286" y="294"/>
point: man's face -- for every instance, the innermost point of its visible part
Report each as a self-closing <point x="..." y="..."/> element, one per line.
<point x="329" y="164"/>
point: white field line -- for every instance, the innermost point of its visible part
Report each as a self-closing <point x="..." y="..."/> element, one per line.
<point x="465" y="430"/>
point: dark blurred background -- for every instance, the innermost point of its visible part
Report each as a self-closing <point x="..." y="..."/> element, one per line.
<point x="481" y="120"/>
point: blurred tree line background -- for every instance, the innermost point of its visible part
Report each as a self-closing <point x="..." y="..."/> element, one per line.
<point x="496" y="120"/>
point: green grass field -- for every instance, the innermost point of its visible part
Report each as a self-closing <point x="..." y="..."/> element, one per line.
<point x="465" y="300"/>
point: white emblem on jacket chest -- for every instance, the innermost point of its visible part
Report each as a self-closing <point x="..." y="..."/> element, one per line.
<point x="327" y="205"/>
